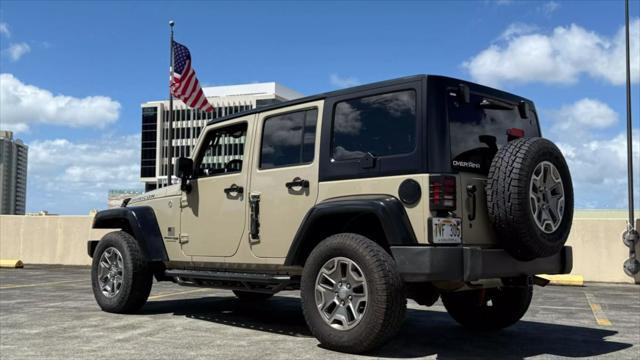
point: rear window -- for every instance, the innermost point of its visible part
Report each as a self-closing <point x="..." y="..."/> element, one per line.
<point x="382" y="125"/>
<point x="479" y="128"/>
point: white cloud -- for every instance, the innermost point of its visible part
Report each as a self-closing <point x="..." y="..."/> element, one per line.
<point x="17" y="50"/>
<point x="4" y="29"/>
<point x="74" y="177"/>
<point x="343" y="82"/>
<point x="598" y="163"/>
<point x="22" y="105"/>
<point x="584" y="114"/>
<point x="517" y="29"/>
<point x="560" y="57"/>
<point x="599" y="171"/>
<point x="549" y="7"/>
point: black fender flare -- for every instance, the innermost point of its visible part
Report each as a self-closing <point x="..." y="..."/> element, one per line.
<point x="386" y="208"/>
<point x="140" y="222"/>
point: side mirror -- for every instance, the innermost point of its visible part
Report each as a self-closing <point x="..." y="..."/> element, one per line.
<point x="184" y="170"/>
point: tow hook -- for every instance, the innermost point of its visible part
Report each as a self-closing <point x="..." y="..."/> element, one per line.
<point x="521" y="281"/>
<point x="537" y="280"/>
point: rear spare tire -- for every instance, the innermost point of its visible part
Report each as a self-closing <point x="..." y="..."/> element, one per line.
<point x="530" y="198"/>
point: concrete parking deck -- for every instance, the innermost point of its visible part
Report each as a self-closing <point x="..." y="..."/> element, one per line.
<point x="49" y="312"/>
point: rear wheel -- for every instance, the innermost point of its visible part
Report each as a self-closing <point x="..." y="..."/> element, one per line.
<point x="120" y="275"/>
<point x="251" y="296"/>
<point x="488" y="309"/>
<point x="353" y="297"/>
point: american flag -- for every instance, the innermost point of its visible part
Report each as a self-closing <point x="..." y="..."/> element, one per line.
<point x="184" y="84"/>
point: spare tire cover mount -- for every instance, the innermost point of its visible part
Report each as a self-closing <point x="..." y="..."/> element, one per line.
<point x="546" y="195"/>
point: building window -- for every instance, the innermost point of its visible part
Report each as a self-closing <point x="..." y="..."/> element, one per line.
<point x="266" y="102"/>
<point x="148" y="142"/>
<point x="288" y="139"/>
<point x="382" y="125"/>
<point x="219" y="155"/>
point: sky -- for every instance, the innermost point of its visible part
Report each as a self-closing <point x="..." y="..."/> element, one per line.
<point x="73" y="74"/>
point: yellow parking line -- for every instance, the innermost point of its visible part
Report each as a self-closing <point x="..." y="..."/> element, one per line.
<point x="41" y="284"/>
<point x="596" y="309"/>
<point x="564" y="279"/>
<point x="176" y="293"/>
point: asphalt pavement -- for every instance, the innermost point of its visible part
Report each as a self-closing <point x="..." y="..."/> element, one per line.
<point x="48" y="312"/>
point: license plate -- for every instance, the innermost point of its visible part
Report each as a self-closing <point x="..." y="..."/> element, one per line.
<point x="446" y="230"/>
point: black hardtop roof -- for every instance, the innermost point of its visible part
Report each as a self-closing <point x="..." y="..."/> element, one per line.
<point x="365" y="87"/>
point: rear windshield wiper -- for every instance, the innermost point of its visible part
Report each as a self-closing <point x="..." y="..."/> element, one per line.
<point x="496" y="105"/>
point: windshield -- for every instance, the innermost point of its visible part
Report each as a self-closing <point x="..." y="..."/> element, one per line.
<point x="479" y="128"/>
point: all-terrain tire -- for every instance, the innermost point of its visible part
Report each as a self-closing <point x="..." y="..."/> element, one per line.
<point x="137" y="277"/>
<point x="471" y="308"/>
<point x="509" y="204"/>
<point x="251" y="296"/>
<point x="386" y="303"/>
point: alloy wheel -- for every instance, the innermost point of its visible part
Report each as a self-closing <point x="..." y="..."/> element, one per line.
<point x="341" y="293"/>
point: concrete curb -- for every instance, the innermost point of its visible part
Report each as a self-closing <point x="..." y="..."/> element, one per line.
<point x="11" y="263"/>
<point x="565" y="279"/>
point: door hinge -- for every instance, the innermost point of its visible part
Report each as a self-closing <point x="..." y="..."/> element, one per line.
<point x="184" y="238"/>
<point x="254" y="205"/>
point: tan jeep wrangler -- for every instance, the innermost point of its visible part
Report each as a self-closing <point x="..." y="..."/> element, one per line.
<point x="422" y="187"/>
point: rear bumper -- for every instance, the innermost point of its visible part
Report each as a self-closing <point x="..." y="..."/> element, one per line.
<point x="422" y="263"/>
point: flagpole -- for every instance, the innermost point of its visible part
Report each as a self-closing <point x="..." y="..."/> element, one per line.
<point x="630" y="237"/>
<point x="629" y="122"/>
<point x="170" y="152"/>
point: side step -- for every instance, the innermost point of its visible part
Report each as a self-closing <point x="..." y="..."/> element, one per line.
<point x="258" y="282"/>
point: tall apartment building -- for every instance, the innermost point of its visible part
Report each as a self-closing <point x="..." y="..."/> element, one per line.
<point x="13" y="174"/>
<point x="188" y="123"/>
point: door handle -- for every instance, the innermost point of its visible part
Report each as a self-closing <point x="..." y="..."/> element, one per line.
<point x="297" y="182"/>
<point x="234" y="189"/>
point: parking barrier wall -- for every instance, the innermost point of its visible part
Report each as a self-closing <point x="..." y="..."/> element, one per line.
<point x="598" y="251"/>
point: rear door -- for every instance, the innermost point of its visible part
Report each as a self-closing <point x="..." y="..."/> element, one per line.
<point x="284" y="175"/>
<point x="477" y="130"/>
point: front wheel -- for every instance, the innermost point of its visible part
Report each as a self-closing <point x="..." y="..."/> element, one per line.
<point x="353" y="297"/>
<point x="488" y="309"/>
<point x="120" y="275"/>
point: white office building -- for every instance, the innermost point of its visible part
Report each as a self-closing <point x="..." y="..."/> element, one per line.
<point x="188" y="123"/>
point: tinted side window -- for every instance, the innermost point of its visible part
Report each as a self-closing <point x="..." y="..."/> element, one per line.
<point x="478" y="129"/>
<point x="381" y="124"/>
<point x="223" y="151"/>
<point x="288" y="139"/>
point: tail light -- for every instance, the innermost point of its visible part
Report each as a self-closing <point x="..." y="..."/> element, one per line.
<point x="514" y="133"/>
<point x="442" y="192"/>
